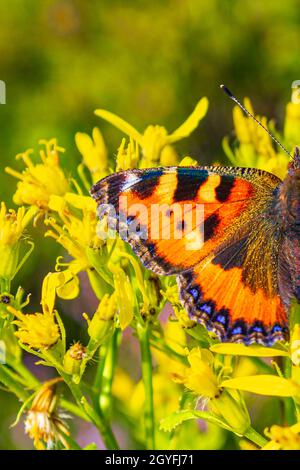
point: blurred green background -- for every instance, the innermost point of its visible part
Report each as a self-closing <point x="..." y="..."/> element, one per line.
<point x="148" y="62"/>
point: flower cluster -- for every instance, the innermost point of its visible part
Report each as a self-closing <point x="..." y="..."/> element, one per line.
<point x="189" y="382"/>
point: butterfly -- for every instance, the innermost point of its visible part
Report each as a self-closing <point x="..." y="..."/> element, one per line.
<point x="241" y="281"/>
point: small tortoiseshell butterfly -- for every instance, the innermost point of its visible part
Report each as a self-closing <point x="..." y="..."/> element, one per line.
<point x="241" y="282"/>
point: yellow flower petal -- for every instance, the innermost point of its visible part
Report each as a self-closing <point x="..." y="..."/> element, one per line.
<point x="64" y="284"/>
<point x="38" y="182"/>
<point x="124" y="298"/>
<point x="69" y="290"/>
<point x="50" y="283"/>
<point x="37" y="330"/>
<point x="57" y="203"/>
<point x="119" y="123"/>
<point x="270" y="385"/>
<point x="190" y="123"/>
<point x="188" y="161"/>
<point x="236" y="349"/>
<point x="168" y="156"/>
<point x="94" y="152"/>
<point x="84" y="203"/>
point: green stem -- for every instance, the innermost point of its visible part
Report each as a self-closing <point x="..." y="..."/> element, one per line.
<point x="4" y="285"/>
<point x="144" y="339"/>
<point x="8" y="380"/>
<point x="31" y="381"/>
<point x="108" y="374"/>
<point x="74" y="409"/>
<point x="102" y="353"/>
<point x="255" y="437"/>
<point x="261" y="365"/>
<point x="97" y="418"/>
<point x="288" y="403"/>
<point x="160" y="345"/>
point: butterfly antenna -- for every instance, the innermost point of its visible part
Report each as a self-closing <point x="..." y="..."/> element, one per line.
<point x="233" y="98"/>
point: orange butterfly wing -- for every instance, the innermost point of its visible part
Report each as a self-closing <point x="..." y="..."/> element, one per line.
<point x="227" y="198"/>
<point x="222" y="294"/>
<point x="240" y="280"/>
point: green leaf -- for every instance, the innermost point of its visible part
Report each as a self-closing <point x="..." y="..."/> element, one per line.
<point x="200" y="333"/>
<point x="91" y="446"/>
<point x="172" y="421"/>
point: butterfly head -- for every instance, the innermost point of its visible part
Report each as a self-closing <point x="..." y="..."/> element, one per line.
<point x="295" y="163"/>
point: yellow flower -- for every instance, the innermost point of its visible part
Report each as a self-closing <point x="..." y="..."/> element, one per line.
<point x="40" y="330"/>
<point x="292" y="124"/>
<point x="255" y="145"/>
<point x="12" y="226"/>
<point x="76" y="234"/>
<point x="39" y="181"/>
<point x="43" y="423"/>
<point x="202" y="379"/>
<point x="62" y="284"/>
<point x="37" y="330"/>
<point x="127" y="157"/>
<point x="94" y="153"/>
<point x="283" y="438"/>
<point x="155" y="138"/>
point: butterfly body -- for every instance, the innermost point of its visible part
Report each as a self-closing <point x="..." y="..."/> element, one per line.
<point x="288" y="216"/>
<point x="239" y="283"/>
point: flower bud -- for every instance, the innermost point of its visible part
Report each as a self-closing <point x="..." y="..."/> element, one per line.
<point x="101" y="326"/>
<point x="232" y="410"/>
<point x="73" y="359"/>
<point x="9" y="256"/>
<point x="94" y="153"/>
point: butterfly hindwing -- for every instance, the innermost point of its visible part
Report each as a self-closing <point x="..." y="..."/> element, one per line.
<point x="225" y="294"/>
